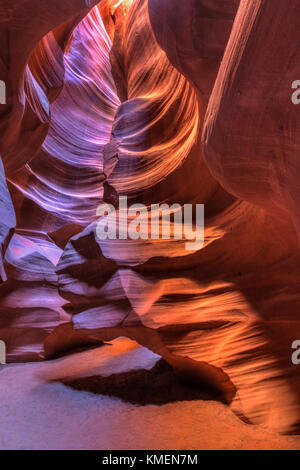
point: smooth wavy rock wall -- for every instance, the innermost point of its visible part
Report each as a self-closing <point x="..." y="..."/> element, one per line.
<point x="111" y="100"/>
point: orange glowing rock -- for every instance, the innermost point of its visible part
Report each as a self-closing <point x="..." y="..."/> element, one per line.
<point x="114" y="103"/>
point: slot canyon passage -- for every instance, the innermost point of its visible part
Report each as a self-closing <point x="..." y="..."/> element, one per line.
<point x="139" y="343"/>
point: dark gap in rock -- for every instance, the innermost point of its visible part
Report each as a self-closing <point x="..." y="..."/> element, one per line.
<point x="157" y="386"/>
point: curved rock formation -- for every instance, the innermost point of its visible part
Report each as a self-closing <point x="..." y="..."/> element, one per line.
<point x="7" y="221"/>
<point x="23" y="129"/>
<point x="121" y="93"/>
<point x="253" y="150"/>
<point x="32" y="67"/>
<point x="194" y="35"/>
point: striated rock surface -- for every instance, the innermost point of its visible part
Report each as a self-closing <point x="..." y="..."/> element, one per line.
<point x="114" y="103"/>
<point x="32" y="66"/>
<point x="194" y="35"/>
<point x="25" y="116"/>
<point x="7" y="221"/>
<point x="253" y="150"/>
<point x="250" y="150"/>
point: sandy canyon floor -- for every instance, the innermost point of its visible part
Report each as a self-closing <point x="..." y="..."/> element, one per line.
<point x="38" y="411"/>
